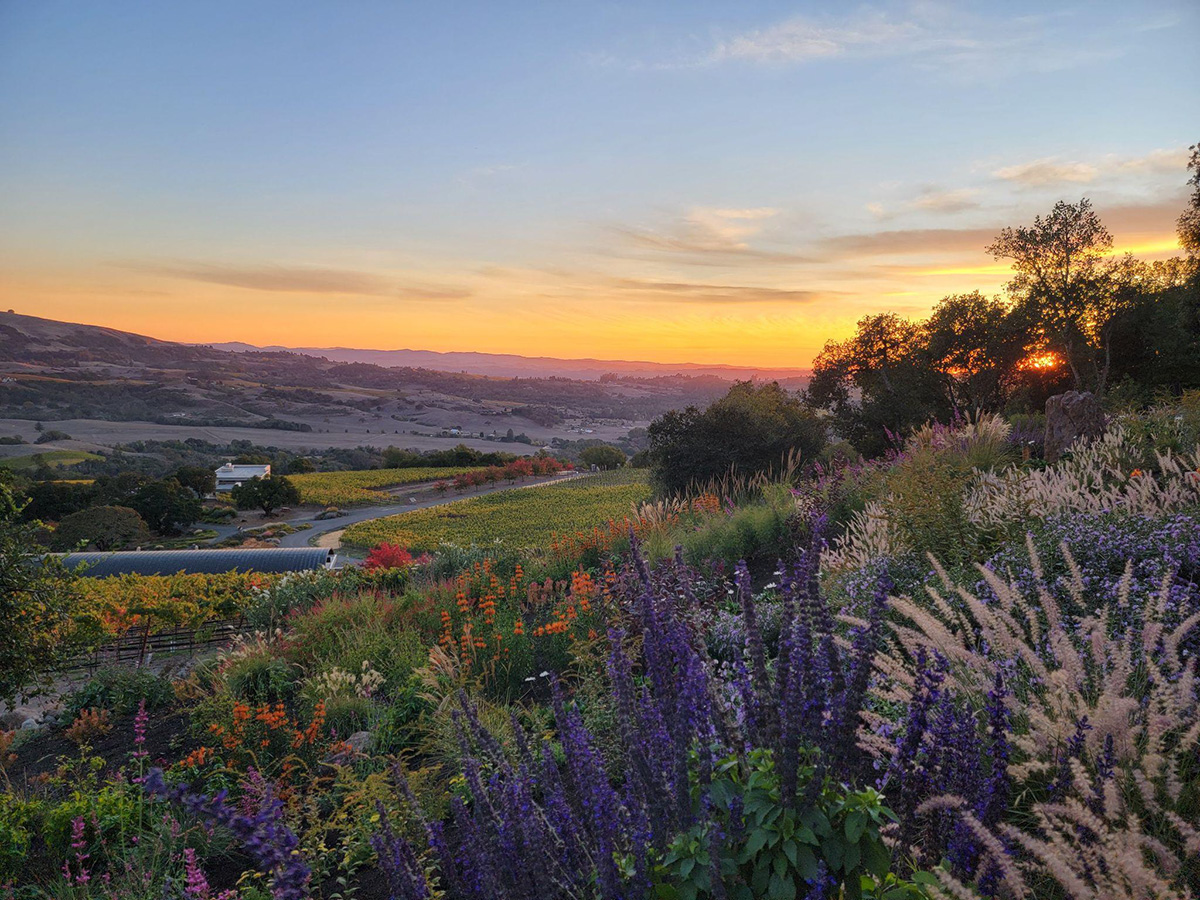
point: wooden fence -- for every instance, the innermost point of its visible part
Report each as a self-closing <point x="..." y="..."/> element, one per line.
<point x="140" y="643"/>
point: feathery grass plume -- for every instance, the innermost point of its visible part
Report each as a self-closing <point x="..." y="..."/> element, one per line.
<point x="1103" y="476"/>
<point x="1102" y="715"/>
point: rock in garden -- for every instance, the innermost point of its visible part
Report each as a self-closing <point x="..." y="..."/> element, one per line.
<point x="1071" y="417"/>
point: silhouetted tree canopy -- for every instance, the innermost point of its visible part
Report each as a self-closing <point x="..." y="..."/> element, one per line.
<point x="751" y="429"/>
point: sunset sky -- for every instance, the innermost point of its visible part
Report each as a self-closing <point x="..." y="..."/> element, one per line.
<point x="704" y="182"/>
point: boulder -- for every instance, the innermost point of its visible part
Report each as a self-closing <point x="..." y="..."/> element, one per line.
<point x="1075" y="416"/>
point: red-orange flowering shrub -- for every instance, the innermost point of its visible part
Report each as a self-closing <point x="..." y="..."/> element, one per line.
<point x="90" y="723"/>
<point x="387" y="556"/>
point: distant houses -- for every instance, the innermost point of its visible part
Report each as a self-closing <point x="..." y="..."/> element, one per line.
<point x="230" y="476"/>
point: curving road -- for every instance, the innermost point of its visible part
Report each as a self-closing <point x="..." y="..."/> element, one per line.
<point x="362" y="514"/>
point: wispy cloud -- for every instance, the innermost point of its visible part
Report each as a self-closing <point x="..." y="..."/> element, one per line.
<point x="800" y="39"/>
<point x="703" y="292"/>
<point x="931" y="35"/>
<point x="1057" y="170"/>
<point x="937" y="200"/>
<point x="929" y="199"/>
<point x="707" y="235"/>
<point x="299" y="279"/>
<point x="907" y="241"/>
<point x="590" y="285"/>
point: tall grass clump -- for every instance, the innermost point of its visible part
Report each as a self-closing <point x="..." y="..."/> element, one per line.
<point x="1099" y="705"/>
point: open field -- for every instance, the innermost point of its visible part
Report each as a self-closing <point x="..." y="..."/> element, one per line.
<point x="518" y="518"/>
<point x="362" y="487"/>
<point x="102" y="433"/>
<point x="54" y="458"/>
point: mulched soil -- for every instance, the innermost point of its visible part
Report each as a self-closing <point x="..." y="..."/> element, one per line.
<point x="167" y="740"/>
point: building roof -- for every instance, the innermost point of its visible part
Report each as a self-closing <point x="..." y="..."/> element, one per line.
<point x="242" y="472"/>
<point x="171" y="562"/>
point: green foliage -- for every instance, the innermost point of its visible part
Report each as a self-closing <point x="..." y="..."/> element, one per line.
<point x="603" y="456"/>
<point x="517" y="518"/>
<point x="301" y="465"/>
<point x="460" y="456"/>
<point x="259" y="678"/>
<point x="926" y="494"/>
<point x="101" y="527"/>
<point x="346" y="714"/>
<point x="167" y="506"/>
<point x="295" y="592"/>
<point x="52" y="458"/>
<point x="109" y="811"/>
<point x="53" y="434"/>
<point x="396" y="728"/>
<point x="201" y="480"/>
<point x="120" y="691"/>
<point x="36" y="603"/>
<point x="755" y="529"/>
<point x="752" y="429"/>
<point x="348" y="631"/>
<point x="217" y="515"/>
<point x="267" y="494"/>
<point x="767" y="849"/>
<point x="20" y="821"/>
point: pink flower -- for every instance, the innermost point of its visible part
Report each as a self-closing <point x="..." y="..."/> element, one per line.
<point x="139" y="731"/>
<point x="195" y="884"/>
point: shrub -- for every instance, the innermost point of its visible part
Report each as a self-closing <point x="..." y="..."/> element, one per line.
<point x="752" y="429"/>
<point x="20" y="820"/>
<point x="53" y="434"/>
<point x="254" y="674"/>
<point x="345" y="715"/>
<point x="101" y="527"/>
<point x="267" y="494"/>
<point x="387" y="556"/>
<point x="689" y="744"/>
<point x="38" y="605"/>
<point x="752" y="530"/>
<point x="603" y="456"/>
<point x="120" y="691"/>
<point x="89" y="724"/>
<point x="271" y="603"/>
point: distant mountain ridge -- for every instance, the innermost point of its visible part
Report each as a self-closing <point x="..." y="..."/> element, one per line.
<point x="511" y="365"/>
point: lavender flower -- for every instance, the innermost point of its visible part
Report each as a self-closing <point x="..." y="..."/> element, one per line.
<point x="264" y="835"/>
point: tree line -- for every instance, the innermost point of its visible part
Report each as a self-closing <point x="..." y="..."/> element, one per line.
<point x="1072" y="317"/>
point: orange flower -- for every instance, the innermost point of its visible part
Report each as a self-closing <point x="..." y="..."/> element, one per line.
<point x="198" y="757"/>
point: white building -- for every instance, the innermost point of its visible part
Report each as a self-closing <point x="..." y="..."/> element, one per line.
<point x="230" y="476"/>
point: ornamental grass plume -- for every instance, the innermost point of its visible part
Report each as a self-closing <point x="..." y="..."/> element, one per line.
<point x="1095" y="478"/>
<point x="1093" y="731"/>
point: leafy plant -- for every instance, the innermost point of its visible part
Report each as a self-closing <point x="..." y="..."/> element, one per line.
<point x="120" y="691"/>
<point x="759" y="845"/>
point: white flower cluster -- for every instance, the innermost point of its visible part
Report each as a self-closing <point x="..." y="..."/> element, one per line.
<point x="340" y="683"/>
